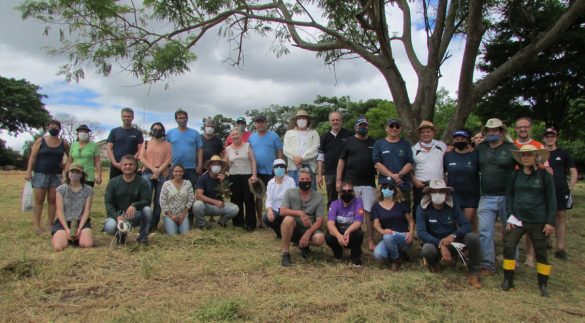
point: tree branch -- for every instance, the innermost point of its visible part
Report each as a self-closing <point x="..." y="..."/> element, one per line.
<point x="407" y="37"/>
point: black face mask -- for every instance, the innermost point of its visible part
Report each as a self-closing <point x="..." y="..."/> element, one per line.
<point x="346" y="197"/>
<point x="460" y="145"/>
<point x="157" y="133"/>
<point x="53" y="132"/>
<point x="305" y="186"/>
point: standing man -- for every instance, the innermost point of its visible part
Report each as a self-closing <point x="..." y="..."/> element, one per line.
<point x="392" y="157"/>
<point x="124" y="140"/>
<point x="187" y="147"/>
<point x="428" y="161"/>
<point x="267" y="147"/>
<point x="127" y="198"/>
<point x="328" y="154"/>
<point x="496" y="163"/>
<point x="212" y="144"/>
<point x="561" y="163"/>
<point x="241" y="125"/>
<point x="355" y="166"/>
<point x="303" y="210"/>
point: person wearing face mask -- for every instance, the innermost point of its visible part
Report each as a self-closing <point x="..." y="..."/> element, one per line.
<point x="212" y="144"/>
<point x="155" y="156"/>
<point x="303" y="210"/>
<point x="45" y="168"/>
<point x="356" y="165"/>
<point x="209" y="199"/>
<point x="461" y="166"/>
<point x="495" y="165"/>
<point x="301" y="144"/>
<point x="86" y="152"/>
<point x="245" y="134"/>
<point x="275" y="190"/>
<point x="74" y="197"/>
<point x="392" y="219"/>
<point x="344" y="225"/>
<point x="439" y="223"/>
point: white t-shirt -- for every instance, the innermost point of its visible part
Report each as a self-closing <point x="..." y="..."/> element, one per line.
<point x="429" y="164"/>
<point x="275" y="192"/>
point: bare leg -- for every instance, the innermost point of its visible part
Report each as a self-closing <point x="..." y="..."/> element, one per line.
<point x="529" y="252"/>
<point x="317" y="240"/>
<point x="286" y="230"/>
<point x="39" y="199"/>
<point x="60" y="241"/>
<point x="86" y="238"/>
<point x="561" y="229"/>
<point x="52" y="208"/>
<point x="370" y="230"/>
<point x="259" y="207"/>
<point x="470" y="215"/>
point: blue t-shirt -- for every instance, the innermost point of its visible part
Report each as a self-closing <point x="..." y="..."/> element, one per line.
<point x="125" y="141"/>
<point x="393" y="155"/>
<point x="185" y="145"/>
<point x="265" y="149"/>
<point x="393" y="219"/>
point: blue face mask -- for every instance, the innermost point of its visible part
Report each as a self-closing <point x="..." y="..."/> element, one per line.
<point x="279" y="172"/>
<point x="387" y="193"/>
<point x="492" y="138"/>
<point x="362" y="131"/>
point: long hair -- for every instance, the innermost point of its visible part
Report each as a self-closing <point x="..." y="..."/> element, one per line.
<point x="68" y="181"/>
<point x="398" y="196"/>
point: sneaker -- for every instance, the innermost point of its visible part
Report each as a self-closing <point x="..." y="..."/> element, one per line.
<point x="561" y="254"/>
<point x="473" y="281"/>
<point x="305" y="252"/>
<point x="286" y="259"/>
<point x="121" y="237"/>
<point x="356" y="262"/>
<point x="484" y="272"/>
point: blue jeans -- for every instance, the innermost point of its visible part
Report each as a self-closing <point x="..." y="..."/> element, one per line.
<point x="391" y="245"/>
<point x="490" y="208"/>
<point x="155" y="187"/>
<point x="172" y="228"/>
<point x="142" y="218"/>
<point x="200" y="210"/>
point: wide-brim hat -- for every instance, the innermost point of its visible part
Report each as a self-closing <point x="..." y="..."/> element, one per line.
<point x="437" y="184"/>
<point x="542" y="155"/>
<point x="83" y="127"/>
<point x="426" y="124"/>
<point x="494" y="123"/>
<point x="214" y="159"/>
<point x="301" y="113"/>
<point x="258" y="188"/>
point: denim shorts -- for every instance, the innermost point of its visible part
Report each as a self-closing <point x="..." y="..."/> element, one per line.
<point x="44" y="181"/>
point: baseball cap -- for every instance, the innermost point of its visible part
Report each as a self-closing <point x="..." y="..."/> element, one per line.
<point x="240" y="119"/>
<point x="548" y="131"/>
<point x="393" y="120"/>
<point x="461" y="133"/>
<point x="361" y="120"/>
<point x="260" y="118"/>
<point x="278" y="162"/>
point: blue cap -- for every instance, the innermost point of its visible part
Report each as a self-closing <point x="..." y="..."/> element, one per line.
<point x="361" y="120"/>
<point x="461" y="133"/>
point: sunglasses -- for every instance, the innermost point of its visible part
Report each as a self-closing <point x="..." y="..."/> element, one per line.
<point x="280" y="166"/>
<point x="394" y="126"/>
<point x="346" y="191"/>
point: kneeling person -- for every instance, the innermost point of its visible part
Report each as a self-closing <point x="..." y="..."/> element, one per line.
<point x="344" y="225"/>
<point x="209" y="199"/>
<point x="127" y="199"/>
<point x="302" y="209"/>
<point x="440" y="223"/>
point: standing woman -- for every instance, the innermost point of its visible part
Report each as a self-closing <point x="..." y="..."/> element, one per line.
<point x="176" y="198"/>
<point x="392" y="219"/>
<point x="155" y="156"/>
<point x="86" y="152"/>
<point x="73" y="207"/>
<point x="461" y="166"/>
<point x="531" y="205"/>
<point x="300" y="146"/>
<point x="242" y="166"/>
<point x="46" y="160"/>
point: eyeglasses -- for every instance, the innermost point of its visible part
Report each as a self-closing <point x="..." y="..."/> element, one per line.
<point x="280" y="166"/>
<point x="394" y="126"/>
<point x="346" y="191"/>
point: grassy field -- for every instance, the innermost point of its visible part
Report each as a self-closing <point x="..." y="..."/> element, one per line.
<point x="231" y="275"/>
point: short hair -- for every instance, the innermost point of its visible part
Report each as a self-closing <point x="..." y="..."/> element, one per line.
<point x="525" y="118"/>
<point x="335" y="112"/>
<point x="346" y="183"/>
<point x="304" y="170"/>
<point x="210" y="121"/>
<point x="129" y="157"/>
<point x="127" y="110"/>
<point x="236" y="129"/>
<point x="181" y="111"/>
<point x="55" y="122"/>
<point x="178" y="165"/>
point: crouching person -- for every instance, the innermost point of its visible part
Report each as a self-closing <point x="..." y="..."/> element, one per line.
<point x="344" y="225"/>
<point x="275" y="190"/>
<point x="302" y="209"/>
<point x="127" y="200"/>
<point x="210" y="198"/>
<point x="176" y="199"/>
<point x="439" y="224"/>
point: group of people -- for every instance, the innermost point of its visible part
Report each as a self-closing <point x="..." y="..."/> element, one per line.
<point x="447" y="196"/>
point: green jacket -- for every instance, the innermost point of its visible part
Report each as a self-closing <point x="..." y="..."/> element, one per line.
<point x="532" y="198"/>
<point x="121" y="194"/>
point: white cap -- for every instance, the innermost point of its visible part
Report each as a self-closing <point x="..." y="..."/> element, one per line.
<point x="278" y="162"/>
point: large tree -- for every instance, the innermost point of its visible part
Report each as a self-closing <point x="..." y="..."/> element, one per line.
<point x="154" y="40"/>
<point x="21" y="106"/>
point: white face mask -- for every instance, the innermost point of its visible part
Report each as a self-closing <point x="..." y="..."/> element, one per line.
<point x="302" y="123"/>
<point x="209" y="130"/>
<point x="438" y="198"/>
<point x="83" y="136"/>
<point x="215" y="169"/>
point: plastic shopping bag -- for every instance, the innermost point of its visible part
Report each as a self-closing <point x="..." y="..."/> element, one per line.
<point x="27" y="197"/>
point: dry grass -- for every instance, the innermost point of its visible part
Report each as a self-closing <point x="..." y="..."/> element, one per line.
<point x="230" y="275"/>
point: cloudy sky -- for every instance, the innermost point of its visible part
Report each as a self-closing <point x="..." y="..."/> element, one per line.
<point x="212" y="87"/>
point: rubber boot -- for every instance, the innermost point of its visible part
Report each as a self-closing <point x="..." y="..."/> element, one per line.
<point x="508" y="282"/>
<point x="542" y="282"/>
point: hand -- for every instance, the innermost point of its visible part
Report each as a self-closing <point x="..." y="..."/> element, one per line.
<point x="387" y="231"/>
<point x="396" y="178"/>
<point x="68" y="233"/>
<point x="180" y="219"/>
<point x="155" y="174"/>
<point x="130" y="212"/>
<point x="219" y="204"/>
<point x="409" y="238"/>
<point x="418" y="184"/>
<point x="28" y="176"/>
<point x="548" y="230"/>
<point x="304" y="242"/>
<point x="446" y="255"/>
<point x="346" y="238"/>
<point x="549" y="170"/>
<point x="338" y="185"/>
<point x="78" y="233"/>
<point x="120" y="218"/>
<point x="341" y="241"/>
<point x="306" y="221"/>
<point x="446" y="241"/>
<point x="198" y="169"/>
<point x="98" y="180"/>
<point x="221" y="177"/>
<point x="253" y="179"/>
<point x="509" y="226"/>
<point x="320" y="181"/>
<point x="298" y="161"/>
<point x="270" y="215"/>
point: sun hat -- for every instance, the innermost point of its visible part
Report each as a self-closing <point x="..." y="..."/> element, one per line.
<point x="437" y="184"/>
<point x="213" y="159"/>
<point x="301" y="113"/>
<point x="83" y="127"/>
<point x="426" y="124"/>
<point x="76" y="166"/>
<point x="542" y="155"/>
<point x="257" y="188"/>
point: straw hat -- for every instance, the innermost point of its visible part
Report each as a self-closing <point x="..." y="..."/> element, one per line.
<point x="497" y="123"/>
<point x="541" y="154"/>
<point x="213" y="159"/>
<point x="427" y="124"/>
<point x="258" y="188"/>
<point x="437" y="184"/>
<point x="301" y="113"/>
